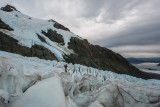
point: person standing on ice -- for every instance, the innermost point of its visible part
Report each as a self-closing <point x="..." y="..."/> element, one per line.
<point x="65" y="73"/>
<point x="65" y="66"/>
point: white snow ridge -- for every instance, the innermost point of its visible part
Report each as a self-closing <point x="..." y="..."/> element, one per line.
<point x="34" y="82"/>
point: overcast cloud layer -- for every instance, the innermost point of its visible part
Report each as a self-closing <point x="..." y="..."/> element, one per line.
<point x="129" y="27"/>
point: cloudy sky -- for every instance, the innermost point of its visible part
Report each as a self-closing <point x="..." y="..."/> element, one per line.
<point x="129" y="27"/>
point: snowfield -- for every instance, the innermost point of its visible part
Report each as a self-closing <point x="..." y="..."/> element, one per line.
<point x="43" y="94"/>
<point x="27" y="28"/>
<point x="33" y="82"/>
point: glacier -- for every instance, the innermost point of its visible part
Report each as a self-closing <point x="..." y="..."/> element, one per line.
<point x="44" y="83"/>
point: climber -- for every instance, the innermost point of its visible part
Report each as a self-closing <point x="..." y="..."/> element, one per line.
<point x="65" y="66"/>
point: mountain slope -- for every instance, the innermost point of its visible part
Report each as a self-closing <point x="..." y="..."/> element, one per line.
<point x="50" y="40"/>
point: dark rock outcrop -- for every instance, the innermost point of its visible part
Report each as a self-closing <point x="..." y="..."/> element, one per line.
<point x="10" y="44"/>
<point x="102" y="58"/>
<point x="54" y="36"/>
<point x="159" y="64"/>
<point x="5" y="26"/>
<point x="58" y="25"/>
<point x="8" y="8"/>
<point x="42" y="38"/>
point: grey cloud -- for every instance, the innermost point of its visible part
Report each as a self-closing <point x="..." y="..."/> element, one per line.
<point x="142" y="32"/>
<point x="143" y="35"/>
<point x="141" y="49"/>
<point x="114" y="10"/>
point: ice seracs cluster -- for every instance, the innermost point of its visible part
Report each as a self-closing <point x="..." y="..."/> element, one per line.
<point x="47" y="83"/>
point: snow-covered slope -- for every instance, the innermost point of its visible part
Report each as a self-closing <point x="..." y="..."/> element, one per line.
<point x="48" y="93"/>
<point x="26" y="29"/>
<point x="82" y="86"/>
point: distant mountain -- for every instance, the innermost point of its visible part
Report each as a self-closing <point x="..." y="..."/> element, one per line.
<point x="143" y="60"/>
<point x="48" y="39"/>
